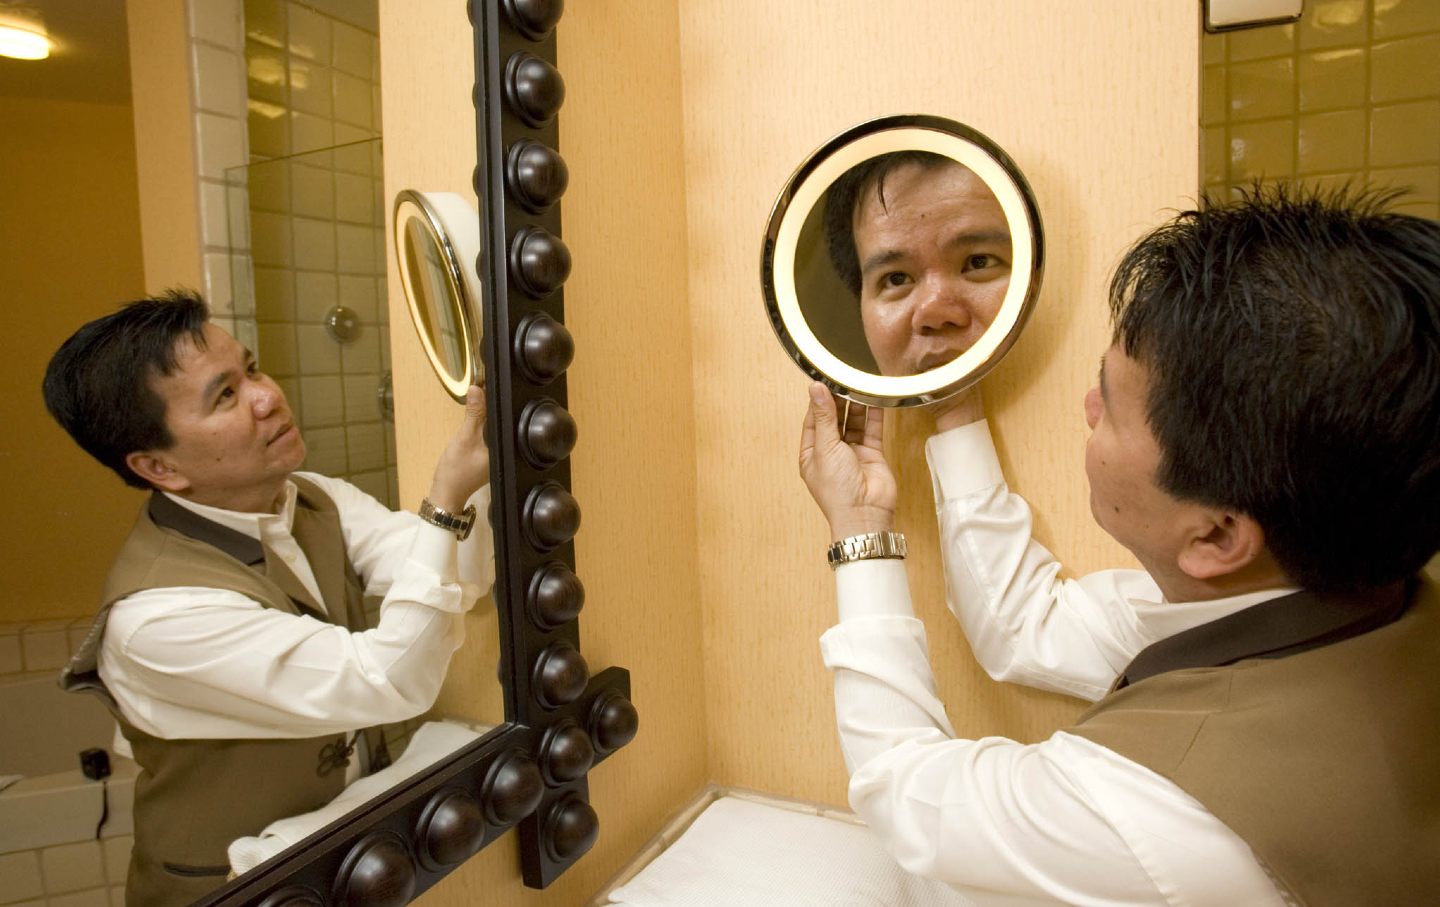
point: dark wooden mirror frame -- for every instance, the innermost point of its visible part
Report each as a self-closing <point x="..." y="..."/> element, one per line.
<point x="530" y="772"/>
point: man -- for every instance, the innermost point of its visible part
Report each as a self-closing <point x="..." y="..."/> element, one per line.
<point x="233" y="642"/>
<point x="923" y="244"/>
<point x="1266" y="441"/>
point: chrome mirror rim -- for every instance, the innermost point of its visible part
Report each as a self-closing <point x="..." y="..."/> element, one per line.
<point x="453" y="225"/>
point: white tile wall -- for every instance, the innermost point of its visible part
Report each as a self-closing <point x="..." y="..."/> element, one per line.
<point x="315" y="223"/>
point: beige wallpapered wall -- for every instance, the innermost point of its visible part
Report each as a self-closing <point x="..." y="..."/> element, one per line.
<point x="701" y="553"/>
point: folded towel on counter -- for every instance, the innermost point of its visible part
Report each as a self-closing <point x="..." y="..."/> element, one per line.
<point x="740" y="853"/>
<point x="429" y="744"/>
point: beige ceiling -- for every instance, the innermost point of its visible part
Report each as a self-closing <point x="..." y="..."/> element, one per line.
<point x="90" y="61"/>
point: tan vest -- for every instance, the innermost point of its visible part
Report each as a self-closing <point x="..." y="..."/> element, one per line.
<point x="193" y="797"/>
<point x="1323" y="755"/>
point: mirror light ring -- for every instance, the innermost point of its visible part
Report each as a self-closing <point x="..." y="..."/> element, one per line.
<point x="807" y="186"/>
<point x="440" y="226"/>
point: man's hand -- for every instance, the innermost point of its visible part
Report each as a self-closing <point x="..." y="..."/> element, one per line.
<point x="961" y="409"/>
<point x="847" y="476"/>
<point x="464" y="465"/>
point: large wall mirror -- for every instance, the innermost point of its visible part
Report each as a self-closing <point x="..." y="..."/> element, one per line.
<point x="902" y="259"/>
<point x="486" y="295"/>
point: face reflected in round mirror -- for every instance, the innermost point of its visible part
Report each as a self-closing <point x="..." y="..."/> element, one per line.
<point x="901" y="260"/>
<point x="437" y="241"/>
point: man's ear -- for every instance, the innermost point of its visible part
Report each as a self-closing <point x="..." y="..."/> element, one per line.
<point x="1225" y="544"/>
<point x="153" y="467"/>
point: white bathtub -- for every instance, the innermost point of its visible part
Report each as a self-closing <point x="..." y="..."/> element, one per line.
<point x="42" y="731"/>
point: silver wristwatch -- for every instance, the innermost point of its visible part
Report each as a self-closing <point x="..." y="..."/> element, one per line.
<point x="460" y="525"/>
<point x="865" y="547"/>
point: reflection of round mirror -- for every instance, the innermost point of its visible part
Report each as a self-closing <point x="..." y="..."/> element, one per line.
<point x="902" y="259"/>
<point x="437" y="241"/>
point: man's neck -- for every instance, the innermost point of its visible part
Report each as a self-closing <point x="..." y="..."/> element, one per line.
<point x="251" y="500"/>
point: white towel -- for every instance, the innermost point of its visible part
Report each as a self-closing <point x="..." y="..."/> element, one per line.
<point x="431" y="742"/>
<point x="739" y="853"/>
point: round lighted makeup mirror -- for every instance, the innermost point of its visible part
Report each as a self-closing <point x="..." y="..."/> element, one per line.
<point x="437" y="242"/>
<point x="902" y="259"/>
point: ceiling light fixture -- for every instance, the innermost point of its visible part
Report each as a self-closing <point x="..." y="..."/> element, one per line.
<point x="23" y="44"/>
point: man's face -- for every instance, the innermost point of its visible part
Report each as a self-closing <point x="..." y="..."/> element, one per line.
<point x="1121" y="459"/>
<point x="235" y="438"/>
<point x="934" y="265"/>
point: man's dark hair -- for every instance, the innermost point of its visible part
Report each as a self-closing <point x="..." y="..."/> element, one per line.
<point x="847" y="191"/>
<point x="97" y="385"/>
<point x="1292" y="341"/>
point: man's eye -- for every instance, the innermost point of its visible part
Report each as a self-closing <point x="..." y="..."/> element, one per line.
<point x="980" y="262"/>
<point x="895" y="279"/>
<point x="252" y="369"/>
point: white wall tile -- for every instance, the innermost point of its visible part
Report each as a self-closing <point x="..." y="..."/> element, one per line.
<point x="309" y="34"/>
<point x="20" y="876"/>
<point x="220" y="80"/>
<point x="94" y="897"/>
<point x="325" y="451"/>
<point x="353" y="101"/>
<point x="115" y="854"/>
<point x="355" y="249"/>
<point x="10" y="661"/>
<point x="43" y="649"/>
<point x="312" y="191"/>
<point x="360" y="397"/>
<point x="366" y="442"/>
<point x="214" y="221"/>
<point x="72" y="867"/>
<point x="222" y="144"/>
<point x="278" y="350"/>
<point x="308" y="132"/>
<point x="314" y="244"/>
<point x="319" y="354"/>
<point x="363" y="353"/>
<point x="271" y="239"/>
<point x="217" y="21"/>
<point x="324" y="401"/>
<point x="354" y="50"/>
<point x="265" y="21"/>
<point x="310" y="88"/>
<point x="274" y="294"/>
<point x="218" y="290"/>
<point x="315" y="295"/>
<point x="358" y="294"/>
<point x="355" y="198"/>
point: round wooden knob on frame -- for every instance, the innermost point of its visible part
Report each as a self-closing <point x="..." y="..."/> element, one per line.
<point x="533" y="88"/>
<point x="555" y="596"/>
<point x="543" y="348"/>
<point x="560" y="675"/>
<point x="534" y="18"/>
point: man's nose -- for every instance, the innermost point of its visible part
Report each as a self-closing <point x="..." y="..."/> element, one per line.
<point x="1092" y="407"/>
<point x="941" y="304"/>
<point x="265" y="398"/>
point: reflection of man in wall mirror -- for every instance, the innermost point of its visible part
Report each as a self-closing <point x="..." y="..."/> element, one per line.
<point x="924" y="245"/>
<point x="1265" y="439"/>
<point x="264" y="633"/>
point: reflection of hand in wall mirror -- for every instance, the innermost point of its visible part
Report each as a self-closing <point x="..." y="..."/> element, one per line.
<point x="901" y="260"/>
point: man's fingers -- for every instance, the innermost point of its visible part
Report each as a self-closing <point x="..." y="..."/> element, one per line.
<point x="475" y="404"/>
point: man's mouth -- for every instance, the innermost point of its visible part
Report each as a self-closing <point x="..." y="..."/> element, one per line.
<point x="284" y="430"/>
<point x="935" y="360"/>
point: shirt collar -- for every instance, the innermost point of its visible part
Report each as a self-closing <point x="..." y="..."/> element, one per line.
<point x="253" y="525"/>
<point x="1162" y="619"/>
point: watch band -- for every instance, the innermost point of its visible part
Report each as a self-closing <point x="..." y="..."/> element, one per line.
<point x="460" y="524"/>
<point x="866" y="547"/>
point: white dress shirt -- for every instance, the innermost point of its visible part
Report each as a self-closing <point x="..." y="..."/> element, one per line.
<point x="1062" y="821"/>
<point x="189" y="662"/>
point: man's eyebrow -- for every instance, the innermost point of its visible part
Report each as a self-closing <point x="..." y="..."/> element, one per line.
<point x="213" y="386"/>
<point x="883" y="257"/>
<point x="976" y="237"/>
